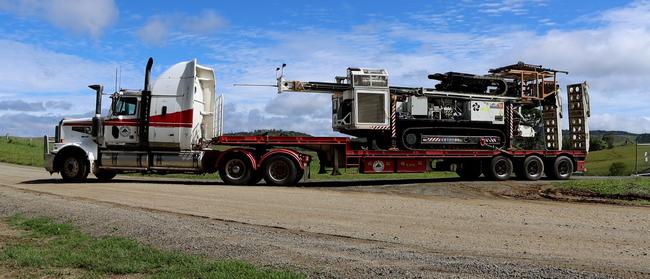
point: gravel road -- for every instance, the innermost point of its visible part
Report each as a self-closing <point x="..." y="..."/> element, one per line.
<point x="430" y="228"/>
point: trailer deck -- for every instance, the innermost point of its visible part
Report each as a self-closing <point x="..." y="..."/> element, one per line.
<point x="340" y="150"/>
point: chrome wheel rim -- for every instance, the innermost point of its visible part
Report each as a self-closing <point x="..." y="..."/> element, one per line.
<point x="279" y="170"/>
<point x="71" y="167"/>
<point x="533" y="168"/>
<point x="235" y="169"/>
<point x="501" y="168"/>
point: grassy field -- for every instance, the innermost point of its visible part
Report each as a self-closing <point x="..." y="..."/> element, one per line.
<point x="626" y="188"/>
<point x="598" y="162"/>
<point x="41" y="248"/>
<point x="22" y="151"/>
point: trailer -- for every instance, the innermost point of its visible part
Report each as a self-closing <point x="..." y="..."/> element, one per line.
<point x="473" y="125"/>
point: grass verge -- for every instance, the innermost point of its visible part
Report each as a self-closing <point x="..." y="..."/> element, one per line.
<point x="635" y="189"/>
<point x="47" y="248"/>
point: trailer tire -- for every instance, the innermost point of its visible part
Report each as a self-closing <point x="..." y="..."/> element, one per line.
<point x="236" y="170"/>
<point x="470" y="170"/>
<point x="562" y="168"/>
<point x="532" y="168"/>
<point x="74" y="167"/>
<point x="105" y="175"/>
<point x="500" y="168"/>
<point x="281" y="170"/>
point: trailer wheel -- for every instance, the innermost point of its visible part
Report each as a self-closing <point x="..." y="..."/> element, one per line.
<point x="470" y="170"/>
<point x="280" y="170"/>
<point x="105" y="175"/>
<point x="562" y="168"/>
<point x="236" y="171"/>
<point x="74" y="168"/>
<point x="532" y="168"/>
<point x="500" y="168"/>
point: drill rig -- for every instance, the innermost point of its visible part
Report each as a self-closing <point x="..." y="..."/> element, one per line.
<point x="515" y="106"/>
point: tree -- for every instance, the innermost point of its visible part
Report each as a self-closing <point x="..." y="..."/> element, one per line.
<point x="596" y="144"/>
<point x="609" y="139"/>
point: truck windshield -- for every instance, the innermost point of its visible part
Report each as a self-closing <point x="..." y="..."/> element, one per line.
<point x="125" y="106"/>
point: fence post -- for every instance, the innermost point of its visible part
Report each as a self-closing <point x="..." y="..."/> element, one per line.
<point x="636" y="157"/>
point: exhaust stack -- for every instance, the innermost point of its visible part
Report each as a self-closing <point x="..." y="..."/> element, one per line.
<point x="97" y="119"/>
<point x="145" y="106"/>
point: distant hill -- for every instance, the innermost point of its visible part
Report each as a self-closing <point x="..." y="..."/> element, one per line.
<point x="271" y="132"/>
<point x="618" y="133"/>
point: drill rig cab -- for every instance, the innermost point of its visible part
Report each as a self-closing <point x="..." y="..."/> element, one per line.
<point x="360" y="100"/>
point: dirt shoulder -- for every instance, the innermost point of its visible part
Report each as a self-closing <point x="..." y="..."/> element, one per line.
<point x="427" y="229"/>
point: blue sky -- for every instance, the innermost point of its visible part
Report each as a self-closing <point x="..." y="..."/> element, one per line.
<point x="51" y="50"/>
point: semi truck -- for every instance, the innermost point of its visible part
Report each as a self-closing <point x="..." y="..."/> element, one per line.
<point x="503" y="124"/>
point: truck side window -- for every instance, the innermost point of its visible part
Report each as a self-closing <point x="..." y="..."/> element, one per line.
<point x="126" y="106"/>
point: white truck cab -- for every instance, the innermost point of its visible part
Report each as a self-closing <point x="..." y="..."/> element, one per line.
<point x="163" y="128"/>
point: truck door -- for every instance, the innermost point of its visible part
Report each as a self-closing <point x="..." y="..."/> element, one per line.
<point x="121" y="125"/>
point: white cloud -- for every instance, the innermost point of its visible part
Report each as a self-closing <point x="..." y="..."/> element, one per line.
<point x="611" y="122"/>
<point x="206" y="22"/>
<point x="517" y="7"/>
<point x="80" y="16"/>
<point x="26" y="68"/>
<point x="155" y="31"/>
<point x="160" y="28"/>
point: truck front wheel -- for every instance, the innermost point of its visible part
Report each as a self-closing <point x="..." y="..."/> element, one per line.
<point x="74" y="168"/>
<point x="236" y="171"/>
<point x="280" y="170"/>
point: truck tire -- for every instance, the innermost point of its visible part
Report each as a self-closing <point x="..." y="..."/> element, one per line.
<point x="532" y="168"/>
<point x="281" y="170"/>
<point x="470" y="170"/>
<point x="74" y="168"/>
<point x="236" y="170"/>
<point x="500" y="168"/>
<point x="562" y="168"/>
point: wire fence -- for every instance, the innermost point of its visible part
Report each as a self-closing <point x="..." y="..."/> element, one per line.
<point x="21" y="150"/>
<point x="642" y="159"/>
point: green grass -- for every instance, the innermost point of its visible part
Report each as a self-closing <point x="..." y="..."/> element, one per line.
<point x="634" y="188"/>
<point x="598" y="162"/>
<point x="50" y="246"/>
<point x="21" y="151"/>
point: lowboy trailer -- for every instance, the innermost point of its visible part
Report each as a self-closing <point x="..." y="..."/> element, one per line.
<point x="469" y="124"/>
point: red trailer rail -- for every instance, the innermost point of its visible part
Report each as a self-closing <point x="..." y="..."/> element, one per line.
<point x="338" y="152"/>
